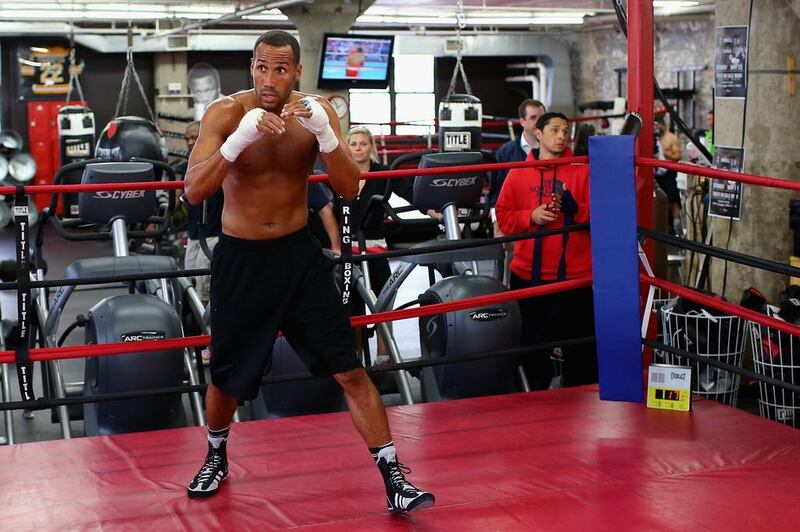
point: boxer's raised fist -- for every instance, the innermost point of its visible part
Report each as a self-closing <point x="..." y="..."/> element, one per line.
<point x="245" y="134"/>
<point x="314" y="118"/>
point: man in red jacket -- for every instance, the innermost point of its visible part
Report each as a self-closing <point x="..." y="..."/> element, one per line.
<point x="549" y="198"/>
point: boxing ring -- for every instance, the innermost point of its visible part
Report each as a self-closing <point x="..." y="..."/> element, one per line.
<point x="590" y="457"/>
<point x="559" y="460"/>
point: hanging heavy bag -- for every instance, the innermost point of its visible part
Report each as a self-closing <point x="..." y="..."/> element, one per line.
<point x="131" y="136"/>
<point x="76" y="140"/>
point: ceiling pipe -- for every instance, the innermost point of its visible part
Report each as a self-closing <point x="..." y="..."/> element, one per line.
<point x="235" y="15"/>
<point x="593" y="23"/>
<point x="541" y="88"/>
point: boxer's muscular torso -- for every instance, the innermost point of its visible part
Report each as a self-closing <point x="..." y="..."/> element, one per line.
<point x="266" y="187"/>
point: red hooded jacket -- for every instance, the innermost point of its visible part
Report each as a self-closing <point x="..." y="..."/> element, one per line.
<point x="525" y="189"/>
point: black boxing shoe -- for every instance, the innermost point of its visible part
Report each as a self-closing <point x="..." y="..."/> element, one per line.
<point x="214" y="470"/>
<point x="402" y="496"/>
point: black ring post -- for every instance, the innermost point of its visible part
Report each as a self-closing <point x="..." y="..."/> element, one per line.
<point x="347" y="254"/>
<point x="22" y="352"/>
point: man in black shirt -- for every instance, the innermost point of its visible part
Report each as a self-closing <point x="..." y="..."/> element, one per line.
<point x="322" y="219"/>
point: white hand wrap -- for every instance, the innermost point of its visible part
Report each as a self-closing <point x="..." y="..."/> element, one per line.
<point x="246" y="134"/>
<point x="319" y="125"/>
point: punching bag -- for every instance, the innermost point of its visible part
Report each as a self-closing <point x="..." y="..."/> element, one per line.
<point x="76" y="137"/>
<point x="460" y="123"/>
<point x="131" y="136"/>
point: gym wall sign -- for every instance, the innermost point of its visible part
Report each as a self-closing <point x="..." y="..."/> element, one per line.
<point x="43" y="71"/>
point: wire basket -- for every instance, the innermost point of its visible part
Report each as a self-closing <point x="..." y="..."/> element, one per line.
<point x="660" y="298"/>
<point x="776" y="354"/>
<point x="701" y="332"/>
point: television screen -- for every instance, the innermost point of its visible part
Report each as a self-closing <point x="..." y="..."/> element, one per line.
<point x="355" y="61"/>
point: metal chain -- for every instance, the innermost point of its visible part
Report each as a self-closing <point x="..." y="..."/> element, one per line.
<point x="461" y="23"/>
<point x="128" y="78"/>
<point x="461" y="19"/>
<point x="123" y="94"/>
<point x="74" y="79"/>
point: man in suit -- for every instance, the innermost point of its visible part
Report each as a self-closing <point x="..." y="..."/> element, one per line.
<point x="518" y="149"/>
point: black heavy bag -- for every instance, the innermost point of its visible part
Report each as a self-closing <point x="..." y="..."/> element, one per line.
<point x="131" y="136"/>
<point x="76" y="139"/>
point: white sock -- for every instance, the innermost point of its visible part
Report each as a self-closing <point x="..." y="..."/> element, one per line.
<point x="216" y="437"/>
<point x="387" y="452"/>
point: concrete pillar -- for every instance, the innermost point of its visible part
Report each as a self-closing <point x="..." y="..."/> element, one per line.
<point x="772" y="145"/>
<point x="312" y="21"/>
<point x="171" y="67"/>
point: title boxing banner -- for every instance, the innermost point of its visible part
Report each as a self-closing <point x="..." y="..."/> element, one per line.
<point x="22" y="353"/>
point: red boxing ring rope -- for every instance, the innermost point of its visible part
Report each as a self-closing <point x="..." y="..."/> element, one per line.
<point x="42" y="354"/>
<point x="724" y="306"/>
<point x="502" y="297"/>
<point x="104" y="187"/>
<point x="83" y="351"/>
<point x="752" y="179"/>
<point x="413" y="172"/>
<point x="394" y="149"/>
<point x="494" y="121"/>
<point x="383" y="174"/>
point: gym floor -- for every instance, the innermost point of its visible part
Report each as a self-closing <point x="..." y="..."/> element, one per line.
<point x="59" y="253"/>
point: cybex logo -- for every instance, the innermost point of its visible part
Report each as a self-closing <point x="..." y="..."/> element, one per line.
<point x="454" y="181"/>
<point x="119" y="194"/>
<point x="488" y="314"/>
<point x="141" y="336"/>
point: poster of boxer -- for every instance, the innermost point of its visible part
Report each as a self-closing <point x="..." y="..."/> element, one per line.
<point x="204" y="87"/>
<point x="730" y="61"/>
<point x="726" y="196"/>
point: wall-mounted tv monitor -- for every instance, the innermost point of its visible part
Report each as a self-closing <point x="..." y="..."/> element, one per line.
<point x="355" y="61"/>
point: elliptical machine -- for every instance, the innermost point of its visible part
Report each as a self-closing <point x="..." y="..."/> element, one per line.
<point x="459" y="332"/>
<point x="151" y="310"/>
